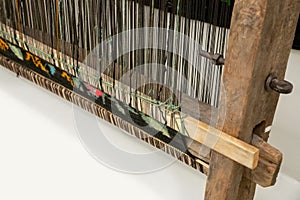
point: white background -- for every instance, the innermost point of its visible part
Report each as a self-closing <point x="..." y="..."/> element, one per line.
<point x="41" y="156"/>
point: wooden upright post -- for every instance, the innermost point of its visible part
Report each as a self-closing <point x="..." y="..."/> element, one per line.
<point x="261" y="37"/>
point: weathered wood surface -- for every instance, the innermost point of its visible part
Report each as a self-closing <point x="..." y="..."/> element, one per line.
<point x="259" y="44"/>
<point x="270" y="161"/>
<point x="264" y="174"/>
<point x="223" y="143"/>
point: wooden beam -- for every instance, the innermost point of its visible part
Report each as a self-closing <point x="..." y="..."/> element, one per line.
<point x="259" y="44"/>
<point x="278" y="59"/>
<point x="265" y="174"/>
<point x="223" y="143"/>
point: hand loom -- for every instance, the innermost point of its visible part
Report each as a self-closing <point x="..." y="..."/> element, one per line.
<point x="185" y="76"/>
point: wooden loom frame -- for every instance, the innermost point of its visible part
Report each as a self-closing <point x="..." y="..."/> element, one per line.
<point x="259" y="44"/>
<point x="256" y="28"/>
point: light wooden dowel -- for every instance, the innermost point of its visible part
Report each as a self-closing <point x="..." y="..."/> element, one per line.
<point x="229" y="146"/>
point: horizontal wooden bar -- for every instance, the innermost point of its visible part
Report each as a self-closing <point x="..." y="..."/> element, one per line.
<point x="231" y="147"/>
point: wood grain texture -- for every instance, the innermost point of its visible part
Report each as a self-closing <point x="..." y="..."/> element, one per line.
<point x="223" y="143"/>
<point x="298" y="5"/>
<point x="259" y="44"/>
<point x="269" y="162"/>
